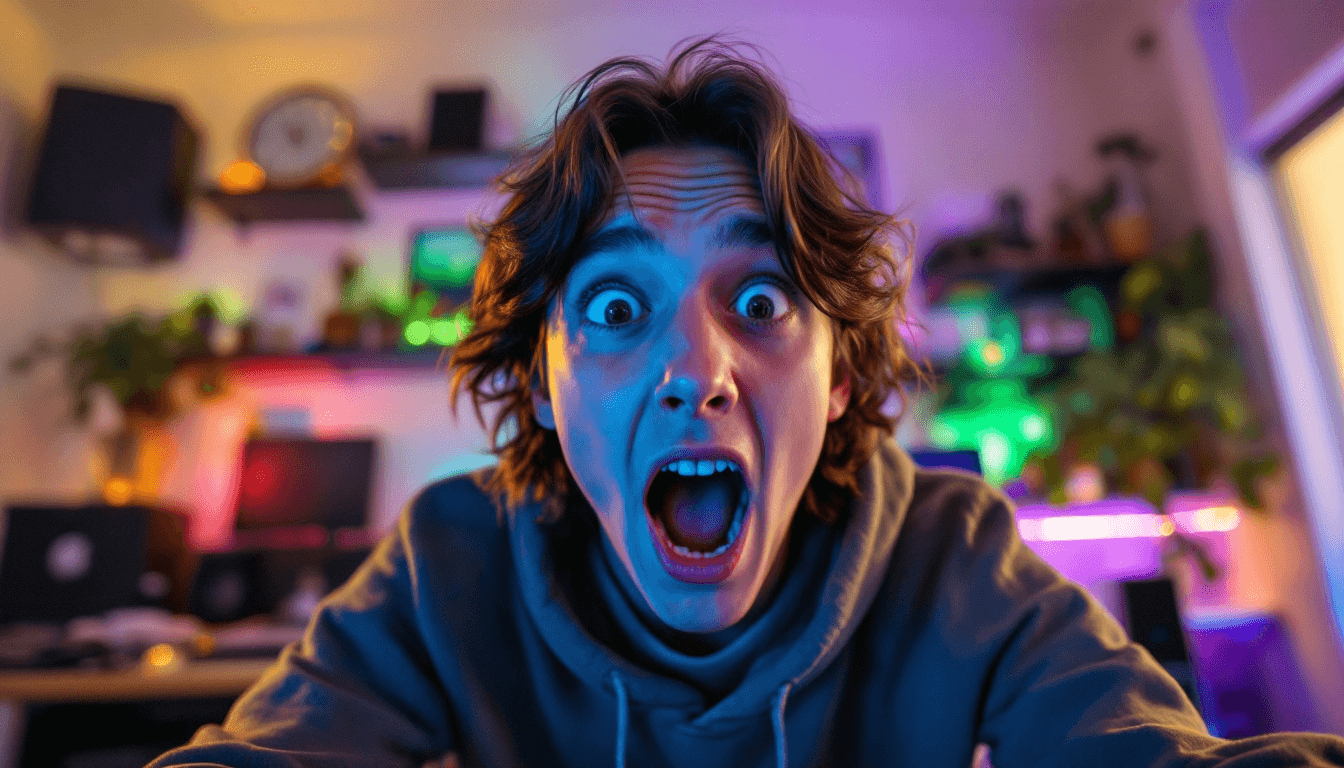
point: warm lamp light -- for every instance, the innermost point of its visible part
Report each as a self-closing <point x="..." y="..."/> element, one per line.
<point x="117" y="491"/>
<point x="242" y="178"/>
<point x="161" y="658"/>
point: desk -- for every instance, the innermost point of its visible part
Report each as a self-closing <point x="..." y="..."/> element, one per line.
<point x="198" y="679"/>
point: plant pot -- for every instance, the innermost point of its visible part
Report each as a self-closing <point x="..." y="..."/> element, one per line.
<point x="132" y="462"/>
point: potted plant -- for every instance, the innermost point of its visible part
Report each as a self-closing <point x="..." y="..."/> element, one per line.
<point x="1168" y="406"/>
<point x="145" y="369"/>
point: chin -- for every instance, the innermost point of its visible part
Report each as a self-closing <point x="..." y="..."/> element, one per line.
<point x="702" y="615"/>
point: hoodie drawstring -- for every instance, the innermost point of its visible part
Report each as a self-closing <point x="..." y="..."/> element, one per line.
<point x="781" y="740"/>
<point x="622" y="717"/>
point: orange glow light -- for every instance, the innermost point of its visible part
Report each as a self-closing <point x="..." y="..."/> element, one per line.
<point x="160" y="657"/>
<point x="242" y="177"/>
<point x="117" y="491"/>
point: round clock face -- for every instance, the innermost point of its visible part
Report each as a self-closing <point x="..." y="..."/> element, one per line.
<point x="298" y="135"/>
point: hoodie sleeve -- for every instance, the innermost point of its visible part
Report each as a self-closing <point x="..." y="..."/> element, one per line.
<point x="1065" y="685"/>
<point x="358" y="689"/>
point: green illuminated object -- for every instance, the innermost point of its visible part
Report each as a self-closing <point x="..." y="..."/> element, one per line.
<point x="999" y="420"/>
<point x="445" y="258"/>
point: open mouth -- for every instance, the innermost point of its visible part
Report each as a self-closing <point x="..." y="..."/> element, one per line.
<point x="697" y="515"/>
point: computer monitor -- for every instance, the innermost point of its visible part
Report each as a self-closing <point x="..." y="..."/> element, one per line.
<point x="968" y="460"/>
<point x="292" y="482"/>
<point x="61" y="562"/>
<point x="443" y="260"/>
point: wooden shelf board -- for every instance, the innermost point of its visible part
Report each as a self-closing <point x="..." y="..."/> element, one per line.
<point x="275" y="205"/>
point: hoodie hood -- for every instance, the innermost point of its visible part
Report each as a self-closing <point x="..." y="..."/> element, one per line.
<point x="783" y="662"/>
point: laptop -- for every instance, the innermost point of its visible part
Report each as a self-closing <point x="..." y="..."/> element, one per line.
<point x="64" y="562"/>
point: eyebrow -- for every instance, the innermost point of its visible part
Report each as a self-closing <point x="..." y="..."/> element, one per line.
<point x="624" y="236"/>
<point x="742" y="230"/>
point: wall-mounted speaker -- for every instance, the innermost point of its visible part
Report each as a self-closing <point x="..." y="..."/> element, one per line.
<point x="113" y="176"/>
<point x="457" y="123"/>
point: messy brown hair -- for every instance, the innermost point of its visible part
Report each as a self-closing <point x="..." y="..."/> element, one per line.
<point x="832" y="245"/>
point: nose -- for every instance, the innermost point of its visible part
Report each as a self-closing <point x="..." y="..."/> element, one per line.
<point x="698" y="372"/>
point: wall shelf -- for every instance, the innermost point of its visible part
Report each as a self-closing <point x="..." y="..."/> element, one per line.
<point x="455" y="170"/>
<point x="1010" y="282"/>
<point x="271" y="205"/>
<point x="420" y="359"/>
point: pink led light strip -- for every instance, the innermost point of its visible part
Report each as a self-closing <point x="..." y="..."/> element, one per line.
<point x="1136" y="525"/>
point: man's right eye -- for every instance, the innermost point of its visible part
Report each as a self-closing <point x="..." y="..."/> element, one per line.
<point x="613" y="306"/>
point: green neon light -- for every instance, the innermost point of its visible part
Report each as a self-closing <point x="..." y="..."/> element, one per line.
<point x="416" y="333"/>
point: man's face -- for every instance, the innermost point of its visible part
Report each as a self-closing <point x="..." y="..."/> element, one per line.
<point x="689" y="382"/>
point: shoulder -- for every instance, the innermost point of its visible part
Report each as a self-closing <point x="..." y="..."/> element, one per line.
<point x="956" y="503"/>
<point x="959" y="537"/>
<point x="451" y="518"/>
<point x="459" y="500"/>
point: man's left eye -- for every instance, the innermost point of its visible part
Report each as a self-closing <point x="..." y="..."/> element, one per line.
<point x="762" y="301"/>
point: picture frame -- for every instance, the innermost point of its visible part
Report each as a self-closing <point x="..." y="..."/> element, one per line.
<point x="856" y="150"/>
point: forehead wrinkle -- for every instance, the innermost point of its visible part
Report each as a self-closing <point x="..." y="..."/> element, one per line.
<point x="679" y="174"/>
<point x="643" y="179"/>
<point x="708" y="181"/>
<point x="695" y="204"/>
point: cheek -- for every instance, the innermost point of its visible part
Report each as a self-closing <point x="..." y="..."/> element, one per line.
<point x="592" y="400"/>
<point x="793" y="397"/>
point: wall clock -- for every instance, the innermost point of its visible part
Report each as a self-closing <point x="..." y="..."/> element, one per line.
<point x="302" y="136"/>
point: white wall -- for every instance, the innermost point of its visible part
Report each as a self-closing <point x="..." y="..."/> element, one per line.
<point x="967" y="101"/>
<point x="41" y="452"/>
<point x="1263" y="299"/>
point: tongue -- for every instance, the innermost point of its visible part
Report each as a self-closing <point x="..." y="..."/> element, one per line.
<point x="698" y="513"/>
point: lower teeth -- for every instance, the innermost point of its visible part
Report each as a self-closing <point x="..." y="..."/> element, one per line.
<point x="733" y="531"/>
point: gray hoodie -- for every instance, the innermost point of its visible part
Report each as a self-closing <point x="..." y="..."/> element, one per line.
<point x="902" y="638"/>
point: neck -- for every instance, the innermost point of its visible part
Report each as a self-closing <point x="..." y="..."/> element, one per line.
<point x="694" y="643"/>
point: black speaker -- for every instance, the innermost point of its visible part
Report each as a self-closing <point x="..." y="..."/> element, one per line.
<point x="1154" y="622"/>
<point x="113" y="176"/>
<point x="234" y="585"/>
<point x="458" y="121"/>
<point x="60" y="562"/>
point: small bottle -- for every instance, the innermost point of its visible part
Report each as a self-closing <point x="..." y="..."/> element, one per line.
<point x="341" y="329"/>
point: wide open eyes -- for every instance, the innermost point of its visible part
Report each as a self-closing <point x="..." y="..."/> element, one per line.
<point x="612" y="307"/>
<point x="762" y="302"/>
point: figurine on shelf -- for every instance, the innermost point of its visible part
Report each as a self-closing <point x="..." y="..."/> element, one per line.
<point x="1002" y="244"/>
<point x="277" y="323"/>
<point x="1128" y="225"/>
<point x="341" y="329"/>
<point x="1010" y="226"/>
<point x="380" y="327"/>
<point x="1077" y="238"/>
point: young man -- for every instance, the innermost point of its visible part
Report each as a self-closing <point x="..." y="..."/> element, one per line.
<point x="701" y="545"/>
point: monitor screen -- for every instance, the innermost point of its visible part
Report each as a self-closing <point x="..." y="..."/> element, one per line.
<point x="290" y="482"/>
<point x="961" y="459"/>
<point x="443" y="261"/>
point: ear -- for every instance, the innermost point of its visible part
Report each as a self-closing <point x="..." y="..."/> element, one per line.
<point x="542" y="410"/>
<point x="839" y="399"/>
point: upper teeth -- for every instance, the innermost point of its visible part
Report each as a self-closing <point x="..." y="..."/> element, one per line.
<point x="702" y="467"/>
